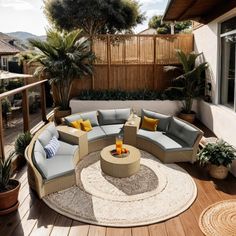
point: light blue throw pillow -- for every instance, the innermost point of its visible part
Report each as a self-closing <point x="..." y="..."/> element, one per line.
<point x="52" y="147"/>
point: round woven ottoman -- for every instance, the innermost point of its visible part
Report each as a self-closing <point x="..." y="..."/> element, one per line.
<point x="120" y="167"/>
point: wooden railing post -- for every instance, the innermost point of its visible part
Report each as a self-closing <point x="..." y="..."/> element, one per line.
<point x="43" y="103"/>
<point x="2" y="153"/>
<point x="25" y="109"/>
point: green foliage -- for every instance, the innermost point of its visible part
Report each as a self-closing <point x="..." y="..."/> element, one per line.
<point x="165" y="28"/>
<point x="191" y="83"/>
<point x="121" y="95"/>
<point x="5" y="172"/>
<point x="6" y="107"/>
<point x="22" y="141"/>
<point x="13" y="84"/>
<point x="94" y="16"/>
<point x="63" y="57"/>
<point x="219" y="153"/>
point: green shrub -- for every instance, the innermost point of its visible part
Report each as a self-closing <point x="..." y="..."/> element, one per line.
<point x="22" y="141"/>
<point x="219" y="153"/>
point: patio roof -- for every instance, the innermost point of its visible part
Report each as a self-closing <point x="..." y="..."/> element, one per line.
<point x="200" y="10"/>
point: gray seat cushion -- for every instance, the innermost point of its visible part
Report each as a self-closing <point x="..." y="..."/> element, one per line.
<point x="113" y="116"/>
<point x="112" y="129"/>
<point x="165" y="142"/>
<point x="96" y="133"/>
<point x="164" y="120"/>
<point x="183" y="131"/>
<point x="47" y="134"/>
<point x="59" y="165"/>
<point x="92" y="116"/>
<point x="66" y="149"/>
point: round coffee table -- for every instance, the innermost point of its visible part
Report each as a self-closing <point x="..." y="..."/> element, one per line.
<point x="120" y="166"/>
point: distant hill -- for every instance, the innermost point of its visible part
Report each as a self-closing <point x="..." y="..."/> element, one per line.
<point x="24" y="36"/>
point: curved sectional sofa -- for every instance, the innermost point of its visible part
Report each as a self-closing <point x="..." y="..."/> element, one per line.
<point x="174" y="141"/>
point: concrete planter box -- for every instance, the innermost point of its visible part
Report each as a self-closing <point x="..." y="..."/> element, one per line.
<point x="162" y="106"/>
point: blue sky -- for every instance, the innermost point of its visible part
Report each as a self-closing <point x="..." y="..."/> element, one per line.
<point x="27" y="15"/>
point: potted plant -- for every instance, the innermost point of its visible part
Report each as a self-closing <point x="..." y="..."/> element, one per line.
<point x="22" y="141"/>
<point x="219" y="156"/>
<point x="63" y="57"/>
<point x="189" y="84"/>
<point x="9" y="188"/>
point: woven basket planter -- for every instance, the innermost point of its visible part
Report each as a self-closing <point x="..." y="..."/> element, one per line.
<point x="218" y="172"/>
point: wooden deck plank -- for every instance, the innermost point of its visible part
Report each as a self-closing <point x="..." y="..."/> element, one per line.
<point x="45" y="223"/>
<point x="174" y="227"/>
<point x="157" y="230"/>
<point x="79" y="229"/>
<point x="97" y="231"/>
<point x="140" y="231"/>
<point x="118" y="232"/>
<point x="61" y="226"/>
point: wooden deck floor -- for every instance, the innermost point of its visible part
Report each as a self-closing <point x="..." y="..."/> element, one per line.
<point x="35" y="218"/>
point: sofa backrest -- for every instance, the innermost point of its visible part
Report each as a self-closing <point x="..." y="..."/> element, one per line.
<point x="113" y="116"/>
<point x="184" y="131"/>
<point x="92" y="116"/>
<point x="47" y="134"/>
<point x="164" y="120"/>
<point x="39" y="158"/>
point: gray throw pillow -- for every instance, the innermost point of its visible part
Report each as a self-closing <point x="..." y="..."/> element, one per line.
<point x="164" y="120"/>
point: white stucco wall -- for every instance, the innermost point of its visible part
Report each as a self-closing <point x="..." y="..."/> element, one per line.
<point x="221" y="120"/>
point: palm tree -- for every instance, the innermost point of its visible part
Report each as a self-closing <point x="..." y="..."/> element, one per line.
<point x="63" y="57"/>
<point x="191" y="83"/>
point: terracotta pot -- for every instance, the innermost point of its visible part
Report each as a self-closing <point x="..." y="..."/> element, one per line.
<point x="59" y="114"/>
<point x="218" y="172"/>
<point x="9" y="199"/>
<point x="187" y="117"/>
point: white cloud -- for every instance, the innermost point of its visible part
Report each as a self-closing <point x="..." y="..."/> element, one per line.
<point x="18" y="5"/>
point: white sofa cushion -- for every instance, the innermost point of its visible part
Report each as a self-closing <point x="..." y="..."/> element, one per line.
<point x="47" y="134"/>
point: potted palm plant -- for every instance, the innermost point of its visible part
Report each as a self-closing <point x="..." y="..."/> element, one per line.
<point x="189" y="84"/>
<point x="63" y="57"/>
<point x="9" y="188"/>
<point x="22" y="141"/>
<point x="219" y="156"/>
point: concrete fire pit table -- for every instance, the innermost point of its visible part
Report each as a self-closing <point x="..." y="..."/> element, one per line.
<point x="120" y="166"/>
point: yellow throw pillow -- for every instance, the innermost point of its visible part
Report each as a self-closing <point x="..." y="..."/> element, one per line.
<point x="86" y="125"/>
<point x="149" y="123"/>
<point x="77" y="123"/>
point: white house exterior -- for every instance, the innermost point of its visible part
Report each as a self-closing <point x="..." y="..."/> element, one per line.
<point x="216" y="38"/>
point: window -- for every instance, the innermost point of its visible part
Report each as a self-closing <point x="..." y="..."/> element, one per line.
<point x="228" y="63"/>
<point x="4" y="63"/>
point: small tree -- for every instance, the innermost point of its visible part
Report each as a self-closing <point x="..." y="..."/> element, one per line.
<point x="63" y="58"/>
<point x="94" y="16"/>
<point x="165" y="28"/>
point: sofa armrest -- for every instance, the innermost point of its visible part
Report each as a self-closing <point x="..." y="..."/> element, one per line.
<point x="74" y="136"/>
<point x="196" y="145"/>
<point x="130" y="130"/>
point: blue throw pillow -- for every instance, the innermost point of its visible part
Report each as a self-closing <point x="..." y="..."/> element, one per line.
<point x="52" y="147"/>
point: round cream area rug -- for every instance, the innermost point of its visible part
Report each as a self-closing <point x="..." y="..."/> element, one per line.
<point x="156" y="193"/>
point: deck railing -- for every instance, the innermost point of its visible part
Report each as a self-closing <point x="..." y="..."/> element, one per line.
<point x="25" y="109"/>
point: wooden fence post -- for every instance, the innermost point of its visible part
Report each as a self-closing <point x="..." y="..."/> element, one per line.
<point x="25" y="109"/>
<point x="43" y="102"/>
<point x="154" y="62"/>
<point x="2" y="153"/>
<point x="108" y="60"/>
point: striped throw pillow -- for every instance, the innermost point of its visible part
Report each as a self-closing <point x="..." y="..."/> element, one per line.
<point x="52" y="147"/>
